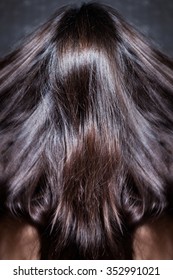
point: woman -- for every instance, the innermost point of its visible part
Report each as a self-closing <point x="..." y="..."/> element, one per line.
<point x="86" y="141"/>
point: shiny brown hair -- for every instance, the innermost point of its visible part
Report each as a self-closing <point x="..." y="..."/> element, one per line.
<point x="86" y="133"/>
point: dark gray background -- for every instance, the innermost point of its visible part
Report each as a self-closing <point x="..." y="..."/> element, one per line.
<point x="153" y="17"/>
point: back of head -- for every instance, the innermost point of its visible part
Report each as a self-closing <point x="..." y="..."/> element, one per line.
<point x="85" y="133"/>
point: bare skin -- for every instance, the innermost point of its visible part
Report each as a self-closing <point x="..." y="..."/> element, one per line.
<point x="18" y="241"/>
<point x="154" y="240"/>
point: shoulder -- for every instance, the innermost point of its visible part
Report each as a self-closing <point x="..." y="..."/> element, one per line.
<point x="154" y="240"/>
<point x="18" y="240"/>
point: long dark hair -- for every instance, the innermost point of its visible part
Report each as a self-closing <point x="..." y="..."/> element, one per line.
<point x="86" y="133"/>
